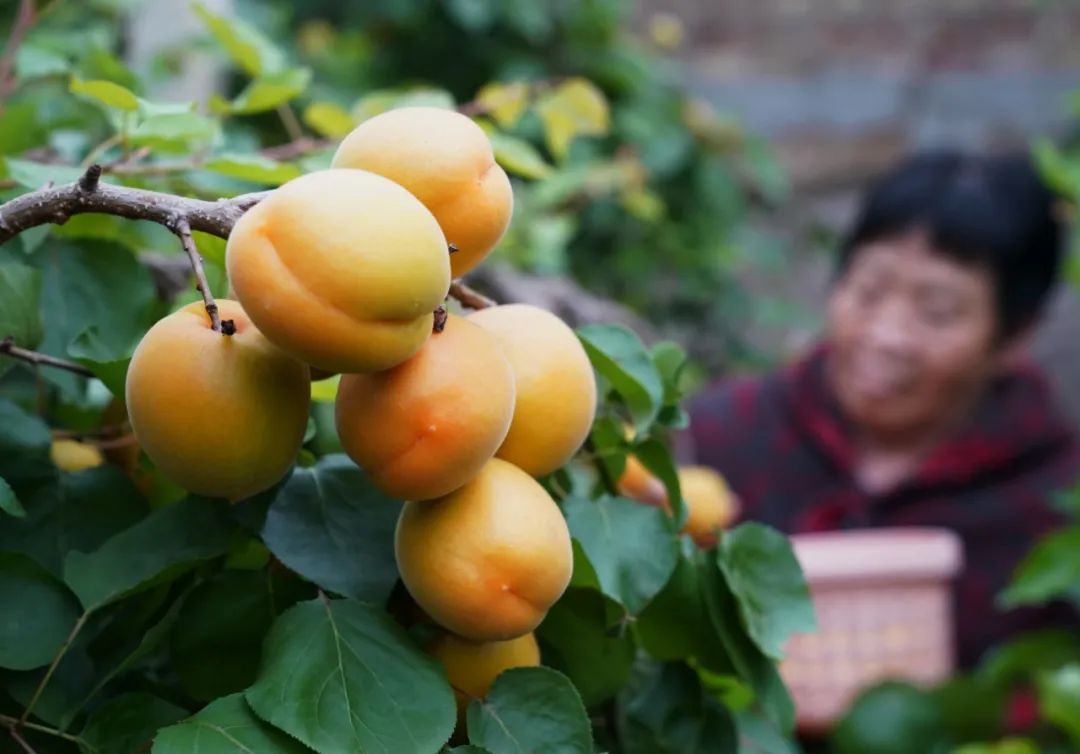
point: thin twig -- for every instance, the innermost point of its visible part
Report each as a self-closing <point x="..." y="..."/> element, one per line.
<point x="468" y="297"/>
<point x="17" y="737"/>
<point x="183" y="232"/>
<point x="52" y="667"/>
<point x="24" y="20"/>
<point x="297" y="148"/>
<point x="58" y="204"/>
<point x="8" y="348"/>
<point x="12" y="723"/>
<point x="288" y="119"/>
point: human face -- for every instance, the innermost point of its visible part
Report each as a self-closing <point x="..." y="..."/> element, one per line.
<point x="912" y="337"/>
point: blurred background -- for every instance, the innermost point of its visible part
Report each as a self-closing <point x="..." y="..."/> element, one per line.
<point x="734" y="140"/>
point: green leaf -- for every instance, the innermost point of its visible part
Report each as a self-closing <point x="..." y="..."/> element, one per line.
<point x="473" y="15"/>
<point x="20" y="312"/>
<point x="380" y="101"/>
<point x="174" y="132"/>
<point x="330" y="525"/>
<point x="328" y="119"/>
<point x="254" y="168"/>
<point x="159" y="548"/>
<point x="1005" y="746"/>
<point x="1049" y="571"/>
<point x="35" y="175"/>
<point x="245" y="45"/>
<point x="468" y="749"/>
<point x="766" y="579"/>
<point x="1059" y="699"/>
<point x="24" y="451"/>
<point x="38" y="613"/>
<point x="1017" y="660"/>
<point x="533" y="710"/>
<point x="128" y="722"/>
<point x="226" y="726"/>
<point x="519" y="156"/>
<point x="33" y="61"/>
<point x="10" y="504"/>
<point x="272" y="89"/>
<point x="574" y="108"/>
<point x="341" y="676"/>
<point x="892" y="718"/>
<point x="108" y="362"/>
<point x="665" y="710"/>
<point x="216" y="641"/>
<point x="759" y="736"/>
<point x="106" y="92"/>
<point x="657" y="458"/>
<point x="577" y="639"/>
<point x="618" y="355"/>
<point x="631" y="546"/>
<point x="671" y="361"/>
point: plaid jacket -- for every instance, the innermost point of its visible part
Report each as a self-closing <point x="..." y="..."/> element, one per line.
<point x="784" y="447"/>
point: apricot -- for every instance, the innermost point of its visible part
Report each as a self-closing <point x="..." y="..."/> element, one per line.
<point x="427" y="426"/>
<point x="341" y="269"/>
<point x="638" y="483"/>
<point x="73" y="455"/>
<point x="488" y="560"/>
<point x="556" y="391"/>
<point x="446" y="161"/>
<point x="710" y="503"/>
<point x="219" y="415"/>
<point x="472" y="667"/>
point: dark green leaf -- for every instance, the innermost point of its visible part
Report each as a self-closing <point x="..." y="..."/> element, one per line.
<point x="20" y="312"/>
<point x="671" y="360"/>
<point x="38" y="613"/>
<point x="226" y="726"/>
<point x="126" y="723"/>
<point x="1019" y="659"/>
<point x="254" y="168"/>
<point x="272" y="89"/>
<point x="972" y="708"/>
<point x="759" y="736"/>
<point x="619" y="356"/>
<point x="656" y="457"/>
<point x="244" y="44"/>
<point x="533" y="710"/>
<point x="108" y="361"/>
<point x="468" y="749"/>
<point x="331" y="526"/>
<point x="10" y="504"/>
<point x="341" y="676"/>
<point x="893" y="718"/>
<point x="664" y="710"/>
<point x="630" y="545"/>
<point x="1050" y="571"/>
<point x="58" y="705"/>
<point x="578" y="639"/>
<point x="473" y="15"/>
<point x="24" y="450"/>
<point x="167" y="543"/>
<point x="1059" y="699"/>
<point x="1006" y="746"/>
<point x="216" y="641"/>
<point x="768" y="583"/>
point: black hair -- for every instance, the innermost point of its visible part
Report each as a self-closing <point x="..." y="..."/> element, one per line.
<point x="989" y="211"/>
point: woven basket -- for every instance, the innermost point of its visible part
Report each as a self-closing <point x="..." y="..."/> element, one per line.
<point x="884" y="608"/>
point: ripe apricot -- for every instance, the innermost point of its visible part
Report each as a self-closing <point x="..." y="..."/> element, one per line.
<point x="710" y="503"/>
<point x="638" y="483"/>
<point x="556" y="391"/>
<point x="472" y="667"/>
<point x="73" y="455"/>
<point x="488" y="560"/>
<point x="341" y="269"/>
<point x="220" y="415"/>
<point x="446" y="161"/>
<point x="427" y="426"/>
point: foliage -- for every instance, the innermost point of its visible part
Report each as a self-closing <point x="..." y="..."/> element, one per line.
<point x="137" y="615"/>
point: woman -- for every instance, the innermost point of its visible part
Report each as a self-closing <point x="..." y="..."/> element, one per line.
<point x="918" y="407"/>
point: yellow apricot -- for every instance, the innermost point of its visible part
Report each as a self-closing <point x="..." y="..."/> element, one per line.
<point x="446" y="161"/>
<point x="341" y="269"/>
<point x="72" y="455"/>
<point x="427" y="426"/>
<point x="488" y="560"/>
<point x="472" y="667"/>
<point x="710" y="503"/>
<point x="220" y="415"/>
<point x="638" y="483"/>
<point x="556" y="391"/>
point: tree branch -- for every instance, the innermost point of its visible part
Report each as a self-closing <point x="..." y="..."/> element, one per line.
<point x="183" y="230"/>
<point x="8" y="348"/>
<point x="23" y="21"/>
<point x="468" y="297"/>
<point x="58" y="204"/>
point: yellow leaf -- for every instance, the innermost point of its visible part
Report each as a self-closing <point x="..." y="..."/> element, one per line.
<point x="328" y="119"/>
<point x="504" y="102"/>
<point x="325" y="391"/>
<point x="574" y="108"/>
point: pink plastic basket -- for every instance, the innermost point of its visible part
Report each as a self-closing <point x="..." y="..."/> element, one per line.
<point x="883" y="602"/>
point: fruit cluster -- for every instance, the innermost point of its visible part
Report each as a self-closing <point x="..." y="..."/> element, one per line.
<point x="341" y="271"/>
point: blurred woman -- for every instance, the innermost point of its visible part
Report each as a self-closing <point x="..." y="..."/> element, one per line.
<point x="918" y="407"/>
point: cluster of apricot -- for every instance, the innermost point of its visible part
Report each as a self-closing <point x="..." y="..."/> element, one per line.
<point x="340" y="272"/>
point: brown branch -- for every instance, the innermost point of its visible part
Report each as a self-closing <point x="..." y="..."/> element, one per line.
<point x="8" y="348"/>
<point x="468" y="297"/>
<point x="297" y="148"/>
<point x="58" y="204"/>
<point x="23" y="21"/>
<point x="183" y="231"/>
<point x="17" y="738"/>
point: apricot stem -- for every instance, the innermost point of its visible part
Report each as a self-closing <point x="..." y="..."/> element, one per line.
<point x="8" y="348"/>
<point x="440" y="319"/>
<point x="183" y="231"/>
<point x="468" y="297"/>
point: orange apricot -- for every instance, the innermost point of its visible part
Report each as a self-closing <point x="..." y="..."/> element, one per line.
<point x="710" y="503"/>
<point x="427" y="426"/>
<point x="220" y="415"/>
<point x="472" y="667"/>
<point x="556" y="390"/>
<point x="488" y="560"/>
<point x="638" y="483"/>
<point x="341" y="269"/>
<point x="446" y="161"/>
